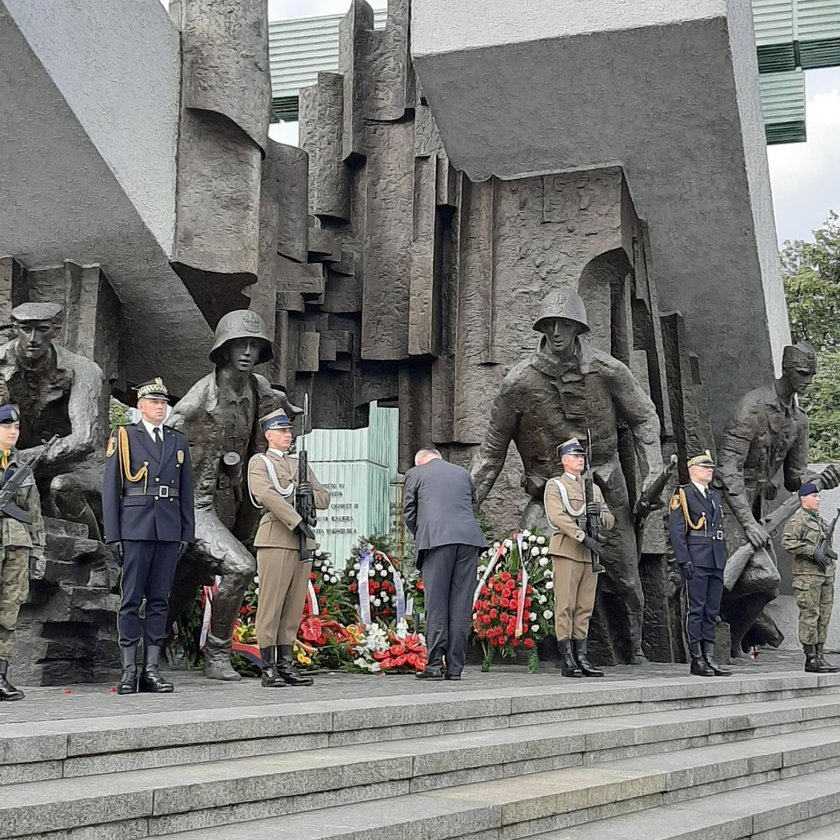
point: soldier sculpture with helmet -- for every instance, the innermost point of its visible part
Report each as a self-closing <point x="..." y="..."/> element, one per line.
<point x="562" y="390"/>
<point x="220" y="417"/>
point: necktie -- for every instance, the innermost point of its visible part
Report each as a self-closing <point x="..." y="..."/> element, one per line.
<point x="158" y="439"/>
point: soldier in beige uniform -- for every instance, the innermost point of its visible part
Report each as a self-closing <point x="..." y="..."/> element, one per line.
<point x="272" y="481"/>
<point x="574" y="581"/>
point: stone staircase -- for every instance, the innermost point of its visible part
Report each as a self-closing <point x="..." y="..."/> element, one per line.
<point x="750" y="756"/>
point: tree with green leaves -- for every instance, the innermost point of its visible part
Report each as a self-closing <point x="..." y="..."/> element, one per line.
<point x="811" y="272"/>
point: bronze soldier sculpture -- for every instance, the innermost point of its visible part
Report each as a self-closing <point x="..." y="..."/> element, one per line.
<point x="768" y="432"/>
<point x="219" y="415"/>
<point x="564" y="389"/>
<point x="58" y="392"/>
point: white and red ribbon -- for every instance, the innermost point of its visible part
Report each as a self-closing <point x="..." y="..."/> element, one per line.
<point x="209" y="591"/>
<point x="520" y="610"/>
<point x="364" y="586"/>
<point x="487" y="572"/>
<point x="313" y="598"/>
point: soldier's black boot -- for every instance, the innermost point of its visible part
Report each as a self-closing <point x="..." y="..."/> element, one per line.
<point x="150" y="678"/>
<point x="709" y="656"/>
<point x="128" y="678"/>
<point x="812" y="666"/>
<point x="579" y="651"/>
<point x="699" y="666"/>
<point x="270" y="678"/>
<point x="825" y="666"/>
<point x="7" y="690"/>
<point x="286" y="671"/>
<point x="568" y="666"/>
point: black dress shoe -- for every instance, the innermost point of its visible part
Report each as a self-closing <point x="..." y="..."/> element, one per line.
<point x="586" y="667"/>
<point x="7" y="690"/>
<point x="269" y="677"/>
<point x="128" y="678"/>
<point x="151" y="681"/>
<point x="286" y="671"/>
<point x="449" y="676"/>
<point x="709" y="656"/>
<point x="429" y="674"/>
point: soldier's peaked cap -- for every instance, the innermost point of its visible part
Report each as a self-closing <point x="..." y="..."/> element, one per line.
<point x="8" y="414"/>
<point x="154" y="389"/>
<point x="562" y="303"/>
<point x="27" y="312"/>
<point x="701" y="459"/>
<point x="276" y="420"/>
<point x="570" y="447"/>
<point x="241" y="323"/>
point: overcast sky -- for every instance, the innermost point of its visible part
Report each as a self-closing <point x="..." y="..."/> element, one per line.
<point x="805" y="176"/>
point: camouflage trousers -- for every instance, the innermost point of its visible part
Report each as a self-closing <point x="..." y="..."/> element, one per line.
<point x="815" y="597"/>
<point x="14" y="588"/>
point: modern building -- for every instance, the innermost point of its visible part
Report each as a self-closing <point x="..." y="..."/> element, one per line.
<point x="792" y="36"/>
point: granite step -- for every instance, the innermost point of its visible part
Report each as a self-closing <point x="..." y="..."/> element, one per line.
<point x="220" y="793"/>
<point x="505" y="750"/>
<point x="726" y="792"/>
<point x="143" y="739"/>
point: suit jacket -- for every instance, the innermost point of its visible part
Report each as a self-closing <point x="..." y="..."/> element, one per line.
<point x="277" y="524"/>
<point x="149" y="517"/>
<point x="566" y="541"/>
<point x="704" y="547"/>
<point x="439" y="507"/>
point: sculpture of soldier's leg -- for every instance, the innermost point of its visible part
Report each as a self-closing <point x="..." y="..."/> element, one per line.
<point x="70" y="494"/>
<point x="754" y="590"/>
<point x="217" y="548"/>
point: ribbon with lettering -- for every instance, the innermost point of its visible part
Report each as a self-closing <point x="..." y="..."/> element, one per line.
<point x="487" y="572"/>
<point x="520" y="610"/>
<point x="209" y="591"/>
<point x="313" y="598"/>
<point x="364" y="586"/>
<point x="398" y="582"/>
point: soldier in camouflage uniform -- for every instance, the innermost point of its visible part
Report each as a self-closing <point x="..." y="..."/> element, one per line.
<point x="813" y="576"/>
<point x="18" y="540"/>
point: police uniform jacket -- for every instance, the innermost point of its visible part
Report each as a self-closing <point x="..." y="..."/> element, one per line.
<point x="14" y="534"/>
<point x="158" y="506"/>
<point x="803" y="532"/>
<point x="279" y="519"/>
<point x="696" y="528"/>
<point x="567" y="539"/>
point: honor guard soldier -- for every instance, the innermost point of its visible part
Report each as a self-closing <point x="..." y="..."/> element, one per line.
<point x="273" y="482"/>
<point x="21" y="536"/>
<point x="695" y="526"/>
<point x="147" y="502"/>
<point x="808" y="539"/>
<point x="575" y="582"/>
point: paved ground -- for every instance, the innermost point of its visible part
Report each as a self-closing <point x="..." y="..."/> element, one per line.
<point x="194" y="692"/>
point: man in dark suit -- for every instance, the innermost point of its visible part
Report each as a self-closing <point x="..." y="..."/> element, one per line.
<point x="695" y="526"/>
<point x="439" y="508"/>
<point x="147" y="504"/>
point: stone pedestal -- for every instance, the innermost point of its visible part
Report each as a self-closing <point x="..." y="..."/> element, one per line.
<point x="67" y="630"/>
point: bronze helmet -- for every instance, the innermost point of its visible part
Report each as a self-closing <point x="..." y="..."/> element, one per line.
<point x="241" y="323"/>
<point x="563" y="303"/>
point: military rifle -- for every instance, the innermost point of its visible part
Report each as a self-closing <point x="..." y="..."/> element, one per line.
<point x="824" y="551"/>
<point x="304" y="496"/>
<point x="13" y="485"/>
<point x="592" y="528"/>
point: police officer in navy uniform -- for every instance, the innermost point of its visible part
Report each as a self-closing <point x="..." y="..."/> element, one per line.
<point x="695" y="526"/>
<point x="147" y="502"/>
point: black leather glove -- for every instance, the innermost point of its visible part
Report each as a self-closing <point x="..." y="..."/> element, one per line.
<point x="821" y="557"/>
<point x="593" y="545"/>
<point x="593" y="509"/>
<point x="686" y="570"/>
<point x="182" y="549"/>
<point x="120" y="550"/>
<point x="306" y="530"/>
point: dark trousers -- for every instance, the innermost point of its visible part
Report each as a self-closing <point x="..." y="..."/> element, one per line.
<point x="148" y="571"/>
<point x="705" y="590"/>
<point x="449" y="581"/>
